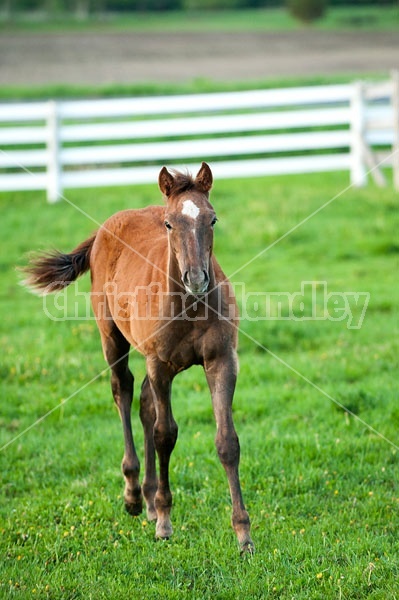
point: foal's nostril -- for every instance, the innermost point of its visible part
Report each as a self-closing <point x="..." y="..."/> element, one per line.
<point x="206" y="277"/>
<point x="186" y="279"/>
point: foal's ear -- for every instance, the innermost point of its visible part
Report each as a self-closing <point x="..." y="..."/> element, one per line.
<point x="165" y="181"/>
<point x="204" y="178"/>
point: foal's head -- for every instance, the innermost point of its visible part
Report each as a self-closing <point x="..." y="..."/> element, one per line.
<point x="189" y="219"/>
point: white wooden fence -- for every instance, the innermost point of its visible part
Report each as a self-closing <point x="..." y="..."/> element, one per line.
<point x="57" y="145"/>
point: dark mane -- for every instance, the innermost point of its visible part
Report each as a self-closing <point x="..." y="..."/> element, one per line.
<point x="182" y="182"/>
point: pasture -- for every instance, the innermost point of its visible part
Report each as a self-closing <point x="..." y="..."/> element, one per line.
<point x="315" y="408"/>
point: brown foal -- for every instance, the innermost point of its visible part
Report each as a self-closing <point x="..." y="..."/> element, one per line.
<point x="157" y="286"/>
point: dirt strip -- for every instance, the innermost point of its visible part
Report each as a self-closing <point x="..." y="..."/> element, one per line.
<point x="106" y="58"/>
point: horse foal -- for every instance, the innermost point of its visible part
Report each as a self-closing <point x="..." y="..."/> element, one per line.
<point x="157" y="286"/>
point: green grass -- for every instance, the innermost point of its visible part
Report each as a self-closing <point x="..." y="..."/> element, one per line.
<point x="320" y="485"/>
<point x="197" y="85"/>
<point x="349" y="18"/>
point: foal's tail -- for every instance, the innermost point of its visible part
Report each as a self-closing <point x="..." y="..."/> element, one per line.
<point x="53" y="271"/>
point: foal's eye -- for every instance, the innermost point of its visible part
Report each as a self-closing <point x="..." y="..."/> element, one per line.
<point x="214" y="221"/>
<point x="168" y="225"/>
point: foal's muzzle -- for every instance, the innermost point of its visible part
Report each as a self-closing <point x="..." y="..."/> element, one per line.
<point x="196" y="281"/>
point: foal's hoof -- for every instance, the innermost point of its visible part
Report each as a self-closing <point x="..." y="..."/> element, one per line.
<point x="134" y="508"/>
<point x="247" y="548"/>
<point x="163" y="531"/>
<point x="133" y="500"/>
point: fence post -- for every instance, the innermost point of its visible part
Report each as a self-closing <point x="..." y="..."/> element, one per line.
<point x="358" y="167"/>
<point x="54" y="190"/>
<point x="395" y="145"/>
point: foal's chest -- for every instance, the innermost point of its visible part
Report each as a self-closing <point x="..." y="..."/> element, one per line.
<point x="180" y="349"/>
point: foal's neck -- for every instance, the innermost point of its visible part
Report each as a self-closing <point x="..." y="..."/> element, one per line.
<point x="174" y="282"/>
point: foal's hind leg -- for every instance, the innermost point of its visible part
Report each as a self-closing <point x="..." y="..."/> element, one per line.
<point x="148" y="416"/>
<point x="116" y="349"/>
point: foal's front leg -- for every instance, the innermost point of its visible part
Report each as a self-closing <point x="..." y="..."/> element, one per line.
<point x="165" y="435"/>
<point x="117" y="353"/>
<point x="221" y="374"/>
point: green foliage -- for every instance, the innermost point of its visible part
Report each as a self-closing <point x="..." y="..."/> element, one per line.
<point x="321" y="486"/>
<point x="307" y="11"/>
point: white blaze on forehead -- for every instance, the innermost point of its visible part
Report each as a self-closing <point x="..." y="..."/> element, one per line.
<point x="190" y="209"/>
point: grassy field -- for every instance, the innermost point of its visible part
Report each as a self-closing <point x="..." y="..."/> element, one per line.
<point x="193" y="86"/>
<point x="320" y="481"/>
<point x="364" y="18"/>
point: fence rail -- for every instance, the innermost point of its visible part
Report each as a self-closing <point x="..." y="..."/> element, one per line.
<point x="63" y="144"/>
